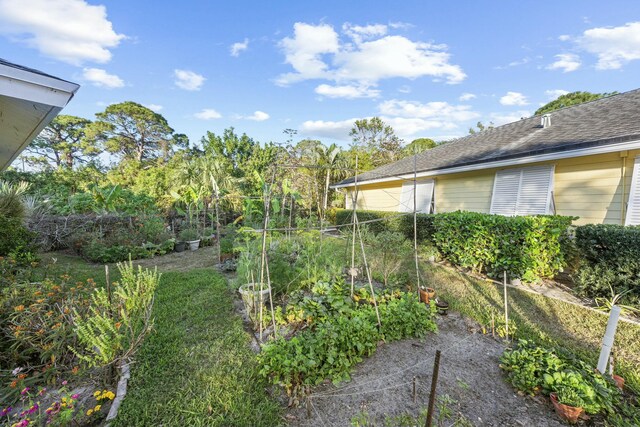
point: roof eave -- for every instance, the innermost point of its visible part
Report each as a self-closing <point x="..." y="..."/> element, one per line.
<point x="619" y="144"/>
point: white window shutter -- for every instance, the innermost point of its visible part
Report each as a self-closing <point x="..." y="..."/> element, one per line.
<point x="424" y="196"/>
<point x="633" y="206"/>
<point x="505" y="192"/>
<point x="406" y="197"/>
<point x="523" y="191"/>
<point x="535" y="191"/>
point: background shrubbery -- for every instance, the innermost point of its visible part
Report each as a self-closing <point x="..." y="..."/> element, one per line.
<point x="609" y="262"/>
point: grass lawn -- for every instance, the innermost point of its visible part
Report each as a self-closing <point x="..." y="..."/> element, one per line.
<point x="544" y="320"/>
<point x="196" y="368"/>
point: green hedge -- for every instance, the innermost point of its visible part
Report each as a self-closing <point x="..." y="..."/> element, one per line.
<point x="610" y="259"/>
<point x="527" y="247"/>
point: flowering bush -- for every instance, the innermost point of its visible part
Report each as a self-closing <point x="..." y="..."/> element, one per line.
<point x="35" y="326"/>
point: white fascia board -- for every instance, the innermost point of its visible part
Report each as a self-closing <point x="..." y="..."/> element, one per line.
<point x="34" y="87"/>
<point x="611" y="148"/>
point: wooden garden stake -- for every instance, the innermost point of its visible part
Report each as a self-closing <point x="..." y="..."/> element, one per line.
<point x="414" y="389"/>
<point x="354" y="201"/>
<point x="415" y="224"/>
<point x="366" y="266"/>
<point x="432" y="396"/>
<point x="506" y="310"/>
<point x="308" y="402"/>
<point x="493" y="324"/>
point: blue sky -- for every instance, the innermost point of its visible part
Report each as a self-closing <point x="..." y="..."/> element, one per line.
<point x="428" y="68"/>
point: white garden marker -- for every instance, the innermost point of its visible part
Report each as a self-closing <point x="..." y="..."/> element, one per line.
<point x="609" y="335"/>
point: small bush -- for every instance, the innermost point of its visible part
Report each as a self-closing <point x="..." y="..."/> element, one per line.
<point x="610" y="262"/>
<point x="393" y="221"/>
<point x="16" y="240"/>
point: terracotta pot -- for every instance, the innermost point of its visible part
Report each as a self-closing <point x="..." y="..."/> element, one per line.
<point x="566" y="412"/>
<point x="619" y="381"/>
<point x="427" y="294"/>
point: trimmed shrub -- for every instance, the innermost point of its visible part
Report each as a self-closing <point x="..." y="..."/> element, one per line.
<point x="610" y="261"/>
<point x="526" y="247"/>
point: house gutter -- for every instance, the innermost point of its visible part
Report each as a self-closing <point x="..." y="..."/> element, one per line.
<point x="611" y="148"/>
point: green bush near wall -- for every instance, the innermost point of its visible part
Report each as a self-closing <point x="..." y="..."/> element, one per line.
<point x="526" y="247"/>
<point x="610" y="259"/>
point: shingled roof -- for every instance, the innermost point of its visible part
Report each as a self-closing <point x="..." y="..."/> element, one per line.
<point x="605" y="121"/>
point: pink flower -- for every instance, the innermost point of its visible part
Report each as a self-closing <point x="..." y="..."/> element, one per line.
<point x="64" y="382"/>
<point x="33" y="409"/>
<point x="43" y="391"/>
<point x="5" y="411"/>
<point x="75" y="396"/>
<point x="25" y="391"/>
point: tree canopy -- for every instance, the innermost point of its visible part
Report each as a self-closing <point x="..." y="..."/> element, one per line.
<point x="378" y="139"/>
<point x="134" y="132"/>
<point x="572" y="98"/>
<point x="63" y="143"/>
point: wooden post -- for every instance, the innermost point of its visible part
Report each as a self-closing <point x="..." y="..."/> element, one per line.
<point x="366" y="267"/>
<point x="415" y="395"/>
<point x="432" y="396"/>
<point x="415" y="224"/>
<point x="506" y="309"/>
<point x="106" y="273"/>
<point x="218" y="227"/>
<point x="354" y="201"/>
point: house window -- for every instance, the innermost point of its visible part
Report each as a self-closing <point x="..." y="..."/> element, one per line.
<point x="633" y="206"/>
<point x="523" y="191"/>
<point x="424" y="196"/>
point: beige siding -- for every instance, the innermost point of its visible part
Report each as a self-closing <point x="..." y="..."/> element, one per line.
<point x="590" y="187"/>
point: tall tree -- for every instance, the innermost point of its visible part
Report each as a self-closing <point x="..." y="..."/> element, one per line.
<point x="378" y="138"/>
<point x="133" y="131"/>
<point x="63" y="143"/>
<point x="418" y="146"/>
<point x="331" y="159"/>
<point x="480" y="127"/>
<point x="572" y="98"/>
<point x="235" y="150"/>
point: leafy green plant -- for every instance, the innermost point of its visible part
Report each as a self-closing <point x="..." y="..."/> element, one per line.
<point x="188" y="234"/>
<point x="117" y="322"/>
<point x="341" y="332"/>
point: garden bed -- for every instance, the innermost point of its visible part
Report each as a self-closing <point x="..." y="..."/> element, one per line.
<point x="381" y="387"/>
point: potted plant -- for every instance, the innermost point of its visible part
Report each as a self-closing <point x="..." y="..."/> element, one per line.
<point x="190" y="237"/>
<point x="442" y="306"/>
<point x="567" y="403"/>
<point x="427" y="294"/>
<point x="180" y="246"/>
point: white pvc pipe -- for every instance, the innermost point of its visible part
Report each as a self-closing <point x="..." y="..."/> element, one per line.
<point x="609" y="336"/>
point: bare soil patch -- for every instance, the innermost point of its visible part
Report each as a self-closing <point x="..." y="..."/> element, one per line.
<point x="381" y="386"/>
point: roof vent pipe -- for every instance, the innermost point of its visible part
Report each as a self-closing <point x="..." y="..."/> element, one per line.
<point x="546" y="121"/>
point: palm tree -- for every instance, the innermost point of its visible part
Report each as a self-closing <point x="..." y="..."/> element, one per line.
<point x="332" y="159"/>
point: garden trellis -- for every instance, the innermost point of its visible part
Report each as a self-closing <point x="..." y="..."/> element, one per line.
<point x="356" y="235"/>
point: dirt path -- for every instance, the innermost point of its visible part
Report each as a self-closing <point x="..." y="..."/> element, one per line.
<point x="182" y="261"/>
<point x="380" y="390"/>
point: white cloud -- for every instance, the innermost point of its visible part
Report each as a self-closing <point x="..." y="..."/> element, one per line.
<point x="369" y="55"/>
<point x="467" y="96"/>
<point x="566" y="62"/>
<point x="208" y="114"/>
<point x="188" y="80"/>
<point x="404" y="89"/>
<point x="614" y="46"/>
<point x="329" y="129"/>
<point x="441" y="111"/>
<point x="554" y="93"/>
<point x="99" y="77"/>
<point x="514" y="98"/>
<point x="564" y="37"/>
<point x="347" y="91"/>
<point x="258" y="116"/>
<point x="154" y="107"/>
<point x="238" y="47"/>
<point x="359" y="33"/>
<point x="503" y="118"/>
<point x="303" y="52"/>
<point x="72" y="31"/>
